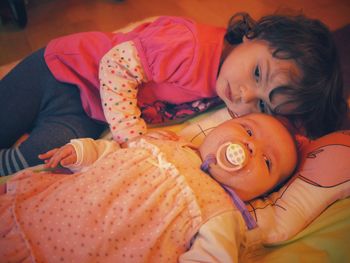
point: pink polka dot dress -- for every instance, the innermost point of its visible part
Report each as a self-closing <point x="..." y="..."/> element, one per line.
<point x="140" y="204"/>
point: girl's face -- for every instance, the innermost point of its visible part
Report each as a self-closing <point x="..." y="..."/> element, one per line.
<point x="249" y="74"/>
<point x="271" y="153"/>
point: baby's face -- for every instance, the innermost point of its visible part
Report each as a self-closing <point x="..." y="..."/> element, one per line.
<point x="250" y="74"/>
<point x="270" y="154"/>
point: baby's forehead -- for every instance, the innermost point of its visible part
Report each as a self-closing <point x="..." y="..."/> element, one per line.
<point x="261" y="121"/>
<point x="267" y="126"/>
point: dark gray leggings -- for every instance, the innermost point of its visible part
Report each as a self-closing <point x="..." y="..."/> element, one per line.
<point x="33" y="101"/>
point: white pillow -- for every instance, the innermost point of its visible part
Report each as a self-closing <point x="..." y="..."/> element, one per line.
<point x="322" y="178"/>
<point x="198" y="127"/>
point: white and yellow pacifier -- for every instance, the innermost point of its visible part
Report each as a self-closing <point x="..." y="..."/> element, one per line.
<point x="232" y="156"/>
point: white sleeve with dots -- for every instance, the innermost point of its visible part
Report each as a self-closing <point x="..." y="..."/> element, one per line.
<point x="120" y="75"/>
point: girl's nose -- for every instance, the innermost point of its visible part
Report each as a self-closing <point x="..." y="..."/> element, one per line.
<point x="247" y="93"/>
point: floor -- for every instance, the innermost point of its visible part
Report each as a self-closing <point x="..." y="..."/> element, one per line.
<point x="48" y="19"/>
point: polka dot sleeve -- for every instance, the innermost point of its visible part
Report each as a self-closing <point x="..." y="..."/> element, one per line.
<point x="120" y="75"/>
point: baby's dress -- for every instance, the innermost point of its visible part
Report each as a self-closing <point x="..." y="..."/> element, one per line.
<point x="134" y="205"/>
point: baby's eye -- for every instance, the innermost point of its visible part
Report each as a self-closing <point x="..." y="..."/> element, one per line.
<point x="257" y="73"/>
<point x="268" y="163"/>
<point x="249" y="131"/>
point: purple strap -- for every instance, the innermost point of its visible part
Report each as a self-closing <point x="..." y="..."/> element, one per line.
<point x="207" y="161"/>
<point x="249" y="220"/>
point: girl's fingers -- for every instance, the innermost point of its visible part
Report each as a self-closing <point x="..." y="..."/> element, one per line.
<point x="172" y="135"/>
<point x="163" y="134"/>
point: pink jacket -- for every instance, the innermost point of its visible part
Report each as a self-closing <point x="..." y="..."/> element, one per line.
<point x="180" y="58"/>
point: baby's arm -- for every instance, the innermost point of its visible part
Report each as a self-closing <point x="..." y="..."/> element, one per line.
<point x="120" y="75"/>
<point x="79" y="153"/>
<point x="218" y="240"/>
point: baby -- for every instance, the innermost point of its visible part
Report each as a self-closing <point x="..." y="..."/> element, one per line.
<point x="149" y="201"/>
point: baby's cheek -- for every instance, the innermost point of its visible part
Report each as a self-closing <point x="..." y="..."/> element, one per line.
<point x="258" y="176"/>
<point x="220" y="175"/>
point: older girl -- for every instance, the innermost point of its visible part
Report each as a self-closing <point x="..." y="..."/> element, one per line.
<point x="168" y="70"/>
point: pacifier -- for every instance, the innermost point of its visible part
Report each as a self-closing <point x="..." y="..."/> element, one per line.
<point x="232" y="156"/>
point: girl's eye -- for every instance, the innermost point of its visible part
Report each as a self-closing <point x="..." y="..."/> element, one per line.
<point x="268" y="163"/>
<point x="257" y="74"/>
<point x="262" y="106"/>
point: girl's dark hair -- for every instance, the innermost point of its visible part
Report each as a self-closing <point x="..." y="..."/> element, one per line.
<point x="318" y="93"/>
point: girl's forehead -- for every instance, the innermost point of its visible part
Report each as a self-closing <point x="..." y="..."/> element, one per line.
<point x="276" y="69"/>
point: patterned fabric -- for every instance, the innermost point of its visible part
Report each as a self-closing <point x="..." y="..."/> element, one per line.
<point x="120" y="75"/>
<point x="163" y="112"/>
<point x="132" y="206"/>
<point x="179" y="57"/>
<point x="11" y="160"/>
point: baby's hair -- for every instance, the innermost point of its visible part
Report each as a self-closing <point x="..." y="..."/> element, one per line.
<point x="316" y="97"/>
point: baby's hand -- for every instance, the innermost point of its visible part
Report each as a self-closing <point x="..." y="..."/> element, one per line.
<point x="65" y="155"/>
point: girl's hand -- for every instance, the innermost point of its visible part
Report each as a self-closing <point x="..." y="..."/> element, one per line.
<point x="162" y="135"/>
<point x="155" y="134"/>
<point x="65" y="155"/>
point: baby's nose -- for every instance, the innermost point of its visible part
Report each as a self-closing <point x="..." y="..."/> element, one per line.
<point x="250" y="146"/>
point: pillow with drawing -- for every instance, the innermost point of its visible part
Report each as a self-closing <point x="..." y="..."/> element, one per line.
<point x="322" y="178"/>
